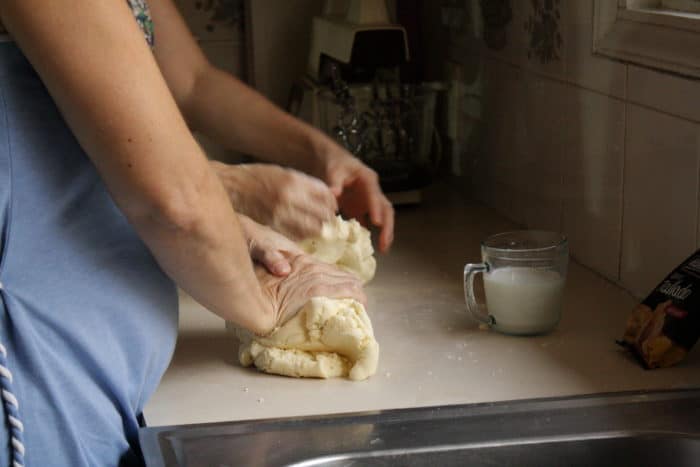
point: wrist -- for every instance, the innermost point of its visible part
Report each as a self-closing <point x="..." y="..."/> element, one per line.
<point x="322" y="150"/>
<point x="253" y="311"/>
<point x="266" y="321"/>
<point x="234" y="180"/>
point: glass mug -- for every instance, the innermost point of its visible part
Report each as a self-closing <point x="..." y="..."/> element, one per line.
<point x="524" y="275"/>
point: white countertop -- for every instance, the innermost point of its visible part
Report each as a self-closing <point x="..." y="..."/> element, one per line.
<point x="431" y="352"/>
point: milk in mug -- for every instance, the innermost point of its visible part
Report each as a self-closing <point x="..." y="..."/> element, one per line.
<point x="524" y="300"/>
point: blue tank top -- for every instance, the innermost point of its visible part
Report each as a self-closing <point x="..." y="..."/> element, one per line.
<point x="88" y="321"/>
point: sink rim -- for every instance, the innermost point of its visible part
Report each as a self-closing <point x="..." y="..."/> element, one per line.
<point x="580" y="400"/>
<point x="155" y="440"/>
<point x="445" y="411"/>
<point x="521" y="441"/>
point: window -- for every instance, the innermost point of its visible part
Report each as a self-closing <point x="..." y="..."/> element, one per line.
<point x="662" y="34"/>
<point x="668" y="7"/>
<point x="673" y="13"/>
<point x="682" y="6"/>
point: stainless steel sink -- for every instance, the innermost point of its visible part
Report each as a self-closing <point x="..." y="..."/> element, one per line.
<point x="624" y="429"/>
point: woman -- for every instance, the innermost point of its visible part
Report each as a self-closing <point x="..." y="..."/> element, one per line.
<point x="106" y="199"/>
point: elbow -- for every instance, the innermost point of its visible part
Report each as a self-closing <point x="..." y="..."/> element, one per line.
<point x="176" y="212"/>
<point x="175" y="208"/>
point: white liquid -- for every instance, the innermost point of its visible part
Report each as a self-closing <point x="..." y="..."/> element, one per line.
<point x="524" y="300"/>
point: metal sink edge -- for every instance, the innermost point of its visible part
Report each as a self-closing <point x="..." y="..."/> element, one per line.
<point x="346" y="439"/>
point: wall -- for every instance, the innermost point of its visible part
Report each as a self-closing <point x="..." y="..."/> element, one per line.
<point x="218" y="26"/>
<point x="557" y="138"/>
<point x="263" y="42"/>
<point x="280" y="33"/>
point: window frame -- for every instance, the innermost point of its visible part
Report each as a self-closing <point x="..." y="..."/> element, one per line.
<point x="633" y="31"/>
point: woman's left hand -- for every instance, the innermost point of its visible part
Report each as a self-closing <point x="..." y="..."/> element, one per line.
<point x="267" y="247"/>
<point x="359" y="195"/>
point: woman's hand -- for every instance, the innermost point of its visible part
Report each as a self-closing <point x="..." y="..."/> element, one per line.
<point x="269" y="248"/>
<point x="308" y="278"/>
<point x="359" y="195"/>
<point x="217" y="104"/>
<point x="289" y="201"/>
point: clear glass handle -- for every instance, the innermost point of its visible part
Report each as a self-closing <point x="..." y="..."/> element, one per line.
<point x="470" y="270"/>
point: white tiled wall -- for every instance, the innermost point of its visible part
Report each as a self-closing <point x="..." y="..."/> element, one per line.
<point x="593" y="179"/>
<point x="604" y="151"/>
<point x="660" y="196"/>
<point x="664" y="92"/>
<point x="280" y="36"/>
<point x="582" y="67"/>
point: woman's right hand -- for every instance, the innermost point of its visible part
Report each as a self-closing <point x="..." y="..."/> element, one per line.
<point x="292" y="203"/>
<point x="309" y="278"/>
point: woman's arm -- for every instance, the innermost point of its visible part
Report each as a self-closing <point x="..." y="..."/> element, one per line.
<point x="97" y="66"/>
<point x="224" y="108"/>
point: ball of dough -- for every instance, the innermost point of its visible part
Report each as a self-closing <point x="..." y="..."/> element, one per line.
<point x="327" y="338"/>
<point x="346" y="244"/>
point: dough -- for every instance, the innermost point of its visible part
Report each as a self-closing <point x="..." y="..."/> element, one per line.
<point x="327" y="338"/>
<point x="346" y="244"/>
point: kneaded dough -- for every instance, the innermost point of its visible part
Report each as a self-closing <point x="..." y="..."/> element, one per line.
<point x="347" y="245"/>
<point x="328" y="338"/>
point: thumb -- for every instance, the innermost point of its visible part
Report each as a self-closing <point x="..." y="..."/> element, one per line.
<point x="273" y="260"/>
<point x="276" y="263"/>
<point x="335" y="182"/>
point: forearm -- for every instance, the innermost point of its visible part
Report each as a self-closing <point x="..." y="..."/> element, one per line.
<point x="236" y="115"/>
<point x="217" y="104"/>
<point x="113" y="97"/>
<point x="220" y="106"/>
<point x="207" y="256"/>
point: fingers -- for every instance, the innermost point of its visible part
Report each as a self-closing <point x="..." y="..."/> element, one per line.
<point x="304" y="205"/>
<point x="308" y="278"/>
<point x="276" y="263"/>
<point x="273" y="260"/>
<point x="348" y="289"/>
<point x="312" y="194"/>
<point x="381" y="212"/>
<point x="327" y="280"/>
<point x="299" y="225"/>
<point x="323" y="195"/>
<point x="386" y="235"/>
<point x="374" y="196"/>
<point x="302" y="224"/>
<point x="320" y="209"/>
<point x="269" y="248"/>
<point x="336" y="181"/>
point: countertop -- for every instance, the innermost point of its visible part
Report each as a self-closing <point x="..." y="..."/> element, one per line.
<point x="431" y="351"/>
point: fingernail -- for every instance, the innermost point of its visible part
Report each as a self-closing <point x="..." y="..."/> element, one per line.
<point x="281" y="268"/>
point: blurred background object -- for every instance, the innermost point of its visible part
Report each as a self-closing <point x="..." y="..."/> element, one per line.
<point x="358" y="89"/>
